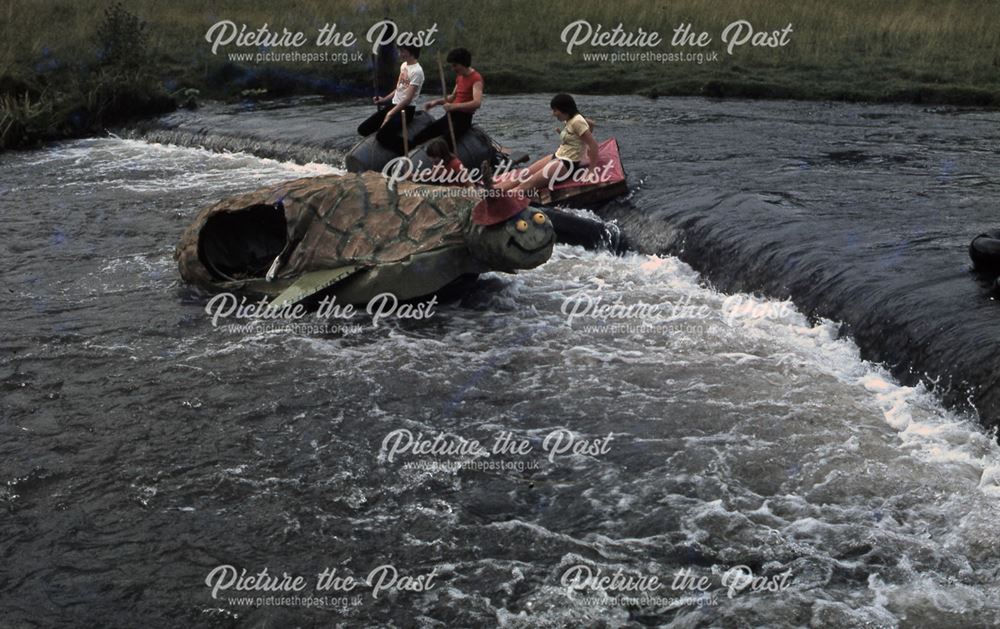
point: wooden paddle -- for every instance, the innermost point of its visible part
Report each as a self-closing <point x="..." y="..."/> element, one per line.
<point x="444" y="95"/>
<point x="375" y="74"/>
<point x="406" y="134"/>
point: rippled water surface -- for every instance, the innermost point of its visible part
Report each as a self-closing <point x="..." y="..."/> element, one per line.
<point x="142" y="447"/>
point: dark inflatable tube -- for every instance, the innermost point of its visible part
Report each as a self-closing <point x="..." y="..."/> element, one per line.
<point x="474" y="147"/>
<point x="985" y="252"/>
<point x="369" y="154"/>
<point x="584" y="231"/>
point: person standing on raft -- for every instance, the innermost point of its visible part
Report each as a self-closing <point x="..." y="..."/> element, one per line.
<point x="386" y="123"/>
<point x="575" y="138"/>
<point x="462" y="103"/>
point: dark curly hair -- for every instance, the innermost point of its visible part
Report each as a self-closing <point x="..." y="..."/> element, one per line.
<point x="460" y="56"/>
<point x="565" y="104"/>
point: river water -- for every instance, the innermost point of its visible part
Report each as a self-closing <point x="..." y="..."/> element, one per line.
<point x="797" y="434"/>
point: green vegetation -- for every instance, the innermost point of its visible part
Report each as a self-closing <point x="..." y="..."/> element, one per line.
<point x="69" y="68"/>
<point x="81" y="95"/>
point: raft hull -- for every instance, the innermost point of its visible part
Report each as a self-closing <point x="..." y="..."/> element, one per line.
<point x="474" y="147"/>
<point x="581" y="195"/>
<point x="985" y="252"/>
<point x="369" y="154"/>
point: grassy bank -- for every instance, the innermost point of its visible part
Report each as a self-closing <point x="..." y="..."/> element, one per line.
<point x="62" y="72"/>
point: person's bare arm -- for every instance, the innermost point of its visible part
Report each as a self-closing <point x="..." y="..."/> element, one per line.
<point x="440" y="101"/>
<point x="410" y="93"/>
<point x="472" y="105"/>
<point x="381" y="99"/>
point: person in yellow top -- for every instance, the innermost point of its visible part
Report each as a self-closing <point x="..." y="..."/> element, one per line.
<point x="576" y="138"/>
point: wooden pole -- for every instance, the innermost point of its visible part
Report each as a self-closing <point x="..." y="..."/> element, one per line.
<point x="375" y="74"/>
<point x="444" y="95"/>
<point x="406" y="135"/>
<point x="371" y="148"/>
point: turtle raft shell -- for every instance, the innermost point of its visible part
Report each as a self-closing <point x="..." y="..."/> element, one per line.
<point x="341" y="219"/>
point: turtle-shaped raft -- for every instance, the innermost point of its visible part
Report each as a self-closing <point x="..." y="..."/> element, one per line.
<point x="352" y="237"/>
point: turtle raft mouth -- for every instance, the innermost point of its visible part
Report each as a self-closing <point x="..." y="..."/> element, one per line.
<point x="534" y="251"/>
<point x="242" y="244"/>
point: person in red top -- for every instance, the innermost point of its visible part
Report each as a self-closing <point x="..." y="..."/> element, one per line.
<point x="453" y="172"/>
<point x="463" y="101"/>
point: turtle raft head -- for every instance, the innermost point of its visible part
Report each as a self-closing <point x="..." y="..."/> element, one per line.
<point x="508" y="234"/>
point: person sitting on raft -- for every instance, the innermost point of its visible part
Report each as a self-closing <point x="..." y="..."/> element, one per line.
<point x="462" y="103"/>
<point x="575" y="137"/>
<point x="386" y="123"/>
<point x="454" y="173"/>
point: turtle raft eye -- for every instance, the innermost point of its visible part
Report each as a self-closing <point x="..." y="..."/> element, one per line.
<point x="539" y="218"/>
<point x="521" y="225"/>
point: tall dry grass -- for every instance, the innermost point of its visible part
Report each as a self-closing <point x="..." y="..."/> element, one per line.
<point x="847" y="48"/>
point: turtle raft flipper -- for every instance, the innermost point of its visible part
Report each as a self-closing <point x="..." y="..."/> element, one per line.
<point x="314" y="282"/>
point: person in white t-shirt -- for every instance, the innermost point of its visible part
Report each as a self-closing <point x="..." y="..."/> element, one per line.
<point x="386" y="123"/>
